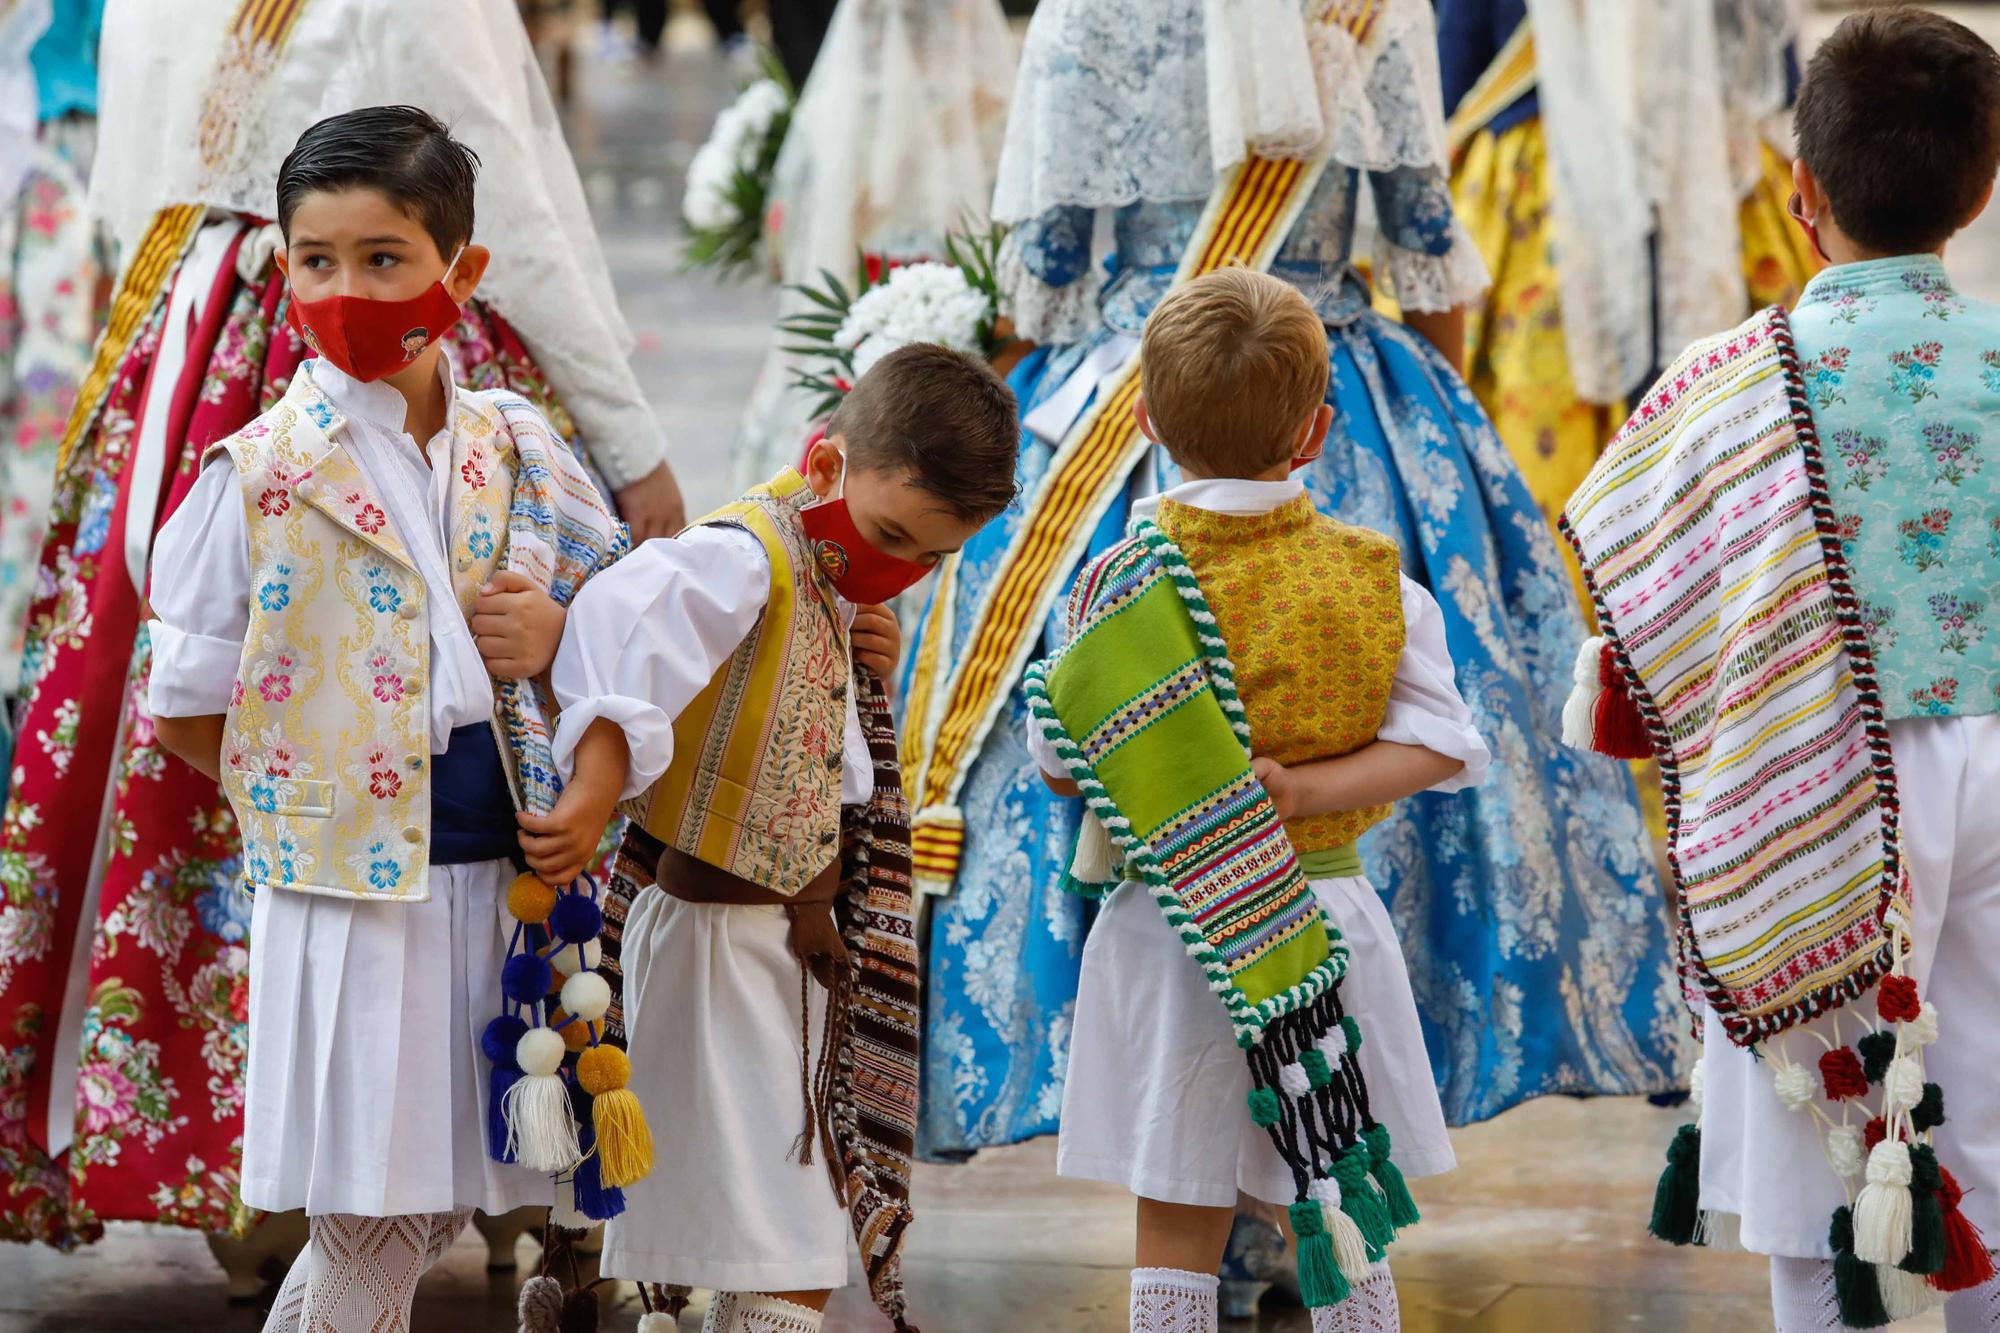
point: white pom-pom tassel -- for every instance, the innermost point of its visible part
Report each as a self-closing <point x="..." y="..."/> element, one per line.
<point x="593" y="954"/>
<point x="1844" y="1146"/>
<point x="1333" y="1045"/>
<point x="1883" y="1213"/>
<point x="1294" y="1080"/>
<point x="1924" y="1027"/>
<point x="1350" y="1250"/>
<point x="1698" y="1083"/>
<point x="1090" y="863"/>
<point x="1905" y="1295"/>
<point x="541" y="1131"/>
<point x="1902" y="1086"/>
<point x="586" y="996"/>
<point x="1795" y="1086"/>
<point x="1579" y="720"/>
<point x="1721" y="1232"/>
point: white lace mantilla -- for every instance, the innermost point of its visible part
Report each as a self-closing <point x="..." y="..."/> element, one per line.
<point x="1120" y="101"/>
<point x="190" y="115"/>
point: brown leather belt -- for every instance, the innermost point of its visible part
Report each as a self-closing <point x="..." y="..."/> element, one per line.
<point x="814" y="940"/>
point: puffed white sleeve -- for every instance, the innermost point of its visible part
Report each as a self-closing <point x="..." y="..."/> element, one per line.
<point x="1424" y="704"/>
<point x="1041" y="751"/>
<point x="200" y="596"/>
<point x="648" y="634"/>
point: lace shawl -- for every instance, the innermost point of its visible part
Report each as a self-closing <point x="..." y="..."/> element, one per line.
<point x="191" y="113"/>
<point x="21" y="26"/>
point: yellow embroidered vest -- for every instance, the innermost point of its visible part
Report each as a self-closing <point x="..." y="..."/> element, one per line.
<point x="754" y="786"/>
<point x="326" y="748"/>
<point x="1312" y="611"/>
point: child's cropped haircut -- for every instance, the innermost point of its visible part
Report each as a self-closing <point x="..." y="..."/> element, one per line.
<point x="1899" y="119"/>
<point x="942" y="417"/>
<point x="1232" y="364"/>
<point x="401" y="151"/>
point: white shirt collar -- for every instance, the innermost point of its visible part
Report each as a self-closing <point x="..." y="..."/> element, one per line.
<point x="1225" y="495"/>
<point x="378" y="403"/>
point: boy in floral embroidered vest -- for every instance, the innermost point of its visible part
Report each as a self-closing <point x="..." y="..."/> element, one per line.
<point x="707" y="679"/>
<point x="1348" y="695"/>
<point x="331" y="614"/>
<point x="1795" y="550"/>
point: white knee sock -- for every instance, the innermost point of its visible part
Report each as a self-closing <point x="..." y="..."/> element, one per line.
<point x="361" y="1272"/>
<point x="1370" y="1308"/>
<point x="1975" y="1310"/>
<point x="745" y="1312"/>
<point x="1173" y="1300"/>
<point x="1802" y="1297"/>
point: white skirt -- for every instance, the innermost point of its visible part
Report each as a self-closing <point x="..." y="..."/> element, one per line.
<point x="712" y="1011"/>
<point x="1157" y="1097"/>
<point x="1763" y="1162"/>
<point x="366" y="1087"/>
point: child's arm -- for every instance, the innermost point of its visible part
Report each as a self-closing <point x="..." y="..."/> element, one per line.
<point x="876" y="640"/>
<point x="516" y="625"/>
<point x="1376" y="774"/>
<point x="199" y="603"/>
<point x="560" y="844"/>
<point x="195" y="741"/>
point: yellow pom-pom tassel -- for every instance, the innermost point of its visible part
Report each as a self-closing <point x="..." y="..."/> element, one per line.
<point x="624" y="1142"/>
<point x="576" y="1036"/>
<point x="603" y="1069"/>
<point x="530" y="900"/>
<point x="556" y="980"/>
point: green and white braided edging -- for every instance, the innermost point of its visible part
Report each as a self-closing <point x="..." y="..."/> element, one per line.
<point x="1141" y="862"/>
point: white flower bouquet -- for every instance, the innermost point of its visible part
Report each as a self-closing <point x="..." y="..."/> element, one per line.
<point x="729" y="180"/>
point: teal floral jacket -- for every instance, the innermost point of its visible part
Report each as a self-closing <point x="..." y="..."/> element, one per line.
<point x="1903" y="374"/>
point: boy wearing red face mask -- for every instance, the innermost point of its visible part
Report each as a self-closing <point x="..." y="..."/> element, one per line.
<point x="332" y="609"/>
<point x="706" y="682"/>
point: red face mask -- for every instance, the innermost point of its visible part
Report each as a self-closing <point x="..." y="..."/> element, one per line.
<point x="369" y="338"/>
<point x="1797" y="208"/>
<point x="860" y="572"/>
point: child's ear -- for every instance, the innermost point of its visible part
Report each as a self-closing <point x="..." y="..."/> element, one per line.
<point x="1312" y="439"/>
<point x="1145" y="419"/>
<point x="283" y="260"/>
<point x="824" y="463"/>
<point x="464" y="277"/>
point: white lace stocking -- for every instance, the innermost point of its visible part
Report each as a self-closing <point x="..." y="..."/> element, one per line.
<point x="1974" y="1311"/>
<point x="360" y="1273"/>
<point x="1173" y="1300"/>
<point x="1370" y="1308"/>
<point x="1802" y="1297"/>
<point x="745" y="1312"/>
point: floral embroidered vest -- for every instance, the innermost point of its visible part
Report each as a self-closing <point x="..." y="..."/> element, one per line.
<point x="326" y="748"/>
<point x="754" y="786"/>
<point x="1903" y="376"/>
<point x="1312" y="611"/>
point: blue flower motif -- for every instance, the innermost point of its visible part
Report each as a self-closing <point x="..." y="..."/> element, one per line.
<point x="274" y="596"/>
<point x="481" y="544"/>
<point x="264" y="796"/>
<point x="224" y="911"/>
<point x="383" y="872"/>
<point x="321" y="412"/>
<point x="384" y="597"/>
<point x="94" y="528"/>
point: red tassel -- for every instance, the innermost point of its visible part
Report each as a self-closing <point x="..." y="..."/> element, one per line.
<point x="1617" y="729"/>
<point x="1840" y="1072"/>
<point x="1966" y="1262"/>
<point x="1874" y="1132"/>
<point x="1897" y="1000"/>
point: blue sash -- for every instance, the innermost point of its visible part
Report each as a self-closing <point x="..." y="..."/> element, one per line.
<point x="472" y="810"/>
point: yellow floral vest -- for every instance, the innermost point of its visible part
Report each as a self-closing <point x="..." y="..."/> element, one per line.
<point x="326" y="748"/>
<point x="754" y="786"/>
<point x="1312" y="611"/>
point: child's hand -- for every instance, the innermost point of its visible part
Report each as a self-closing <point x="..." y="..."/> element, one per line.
<point x="1279" y="783"/>
<point x="516" y="625"/>
<point x="561" y="844"/>
<point x="876" y="640"/>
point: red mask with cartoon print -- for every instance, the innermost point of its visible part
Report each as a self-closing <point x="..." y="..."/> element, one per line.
<point x="369" y="338"/>
<point x="859" y="571"/>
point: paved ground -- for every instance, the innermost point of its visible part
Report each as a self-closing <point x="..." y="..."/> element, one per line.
<point x="1539" y="1228"/>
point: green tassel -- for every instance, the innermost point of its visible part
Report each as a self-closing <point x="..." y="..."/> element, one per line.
<point x="1877" y="1049"/>
<point x="1855" y="1286"/>
<point x="1395" y="1190"/>
<point x="1359" y="1201"/>
<point x="1321" y="1282"/>
<point x="1677" y="1198"/>
<point x="1353" y="1031"/>
<point x="1264" y="1107"/>
<point x="1318" y="1072"/>
<point x="1928" y="1113"/>
<point x="1926" y="1254"/>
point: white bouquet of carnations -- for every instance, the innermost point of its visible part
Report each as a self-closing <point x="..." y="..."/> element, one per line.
<point x="927" y="302"/>
<point x="730" y="177"/>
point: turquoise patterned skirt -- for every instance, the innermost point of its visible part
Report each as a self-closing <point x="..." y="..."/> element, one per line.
<point x="1533" y="922"/>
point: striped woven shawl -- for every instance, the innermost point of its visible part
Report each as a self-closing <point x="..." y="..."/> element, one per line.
<point x="1711" y="549"/>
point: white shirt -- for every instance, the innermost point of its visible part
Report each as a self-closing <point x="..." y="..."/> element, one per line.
<point x="201" y="562"/>
<point x="648" y="635"/>
<point x="1424" y="705"/>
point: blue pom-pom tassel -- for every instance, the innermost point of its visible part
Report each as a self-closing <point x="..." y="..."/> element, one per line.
<point x="500" y="1039"/>
<point x="595" y="1199"/>
<point x="502" y="1079"/>
<point x="576" y="918"/>
<point x="525" y="979"/>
